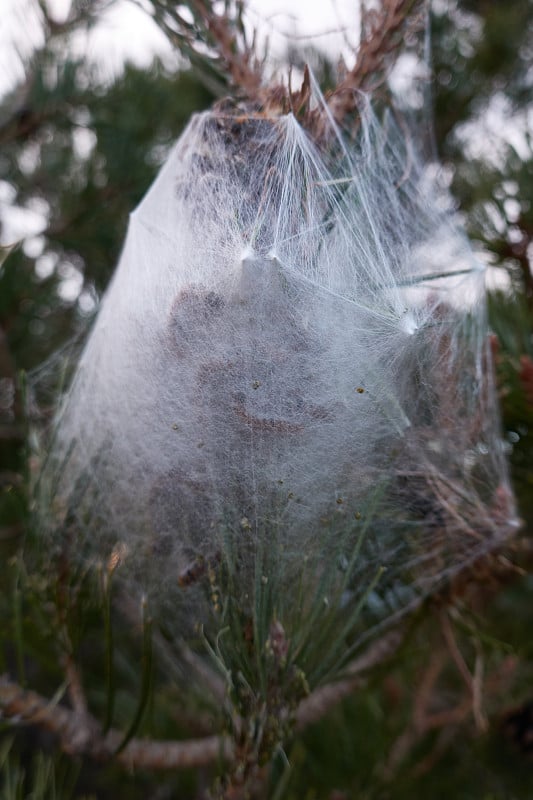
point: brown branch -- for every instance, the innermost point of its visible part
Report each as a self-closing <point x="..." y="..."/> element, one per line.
<point x="421" y="701"/>
<point x="383" y="33"/>
<point x="426" y="686"/>
<point x="77" y="698"/>
<point x="203" y="673"/>
<point x="80" y="734"/>
<point x="239" y="61"/>
<point x="26" y="707"/>
<point x="23" y="123"/>
<point x="445" y="721"/>
<point x="20" y="121"/>
<point x="233" y="61"/>
<point x="519" y="251"/>
<point x="455" y="653"/>
<point x="526" y="377"/>
<point x="323" y="699"/>
<point x="75" y="687"/>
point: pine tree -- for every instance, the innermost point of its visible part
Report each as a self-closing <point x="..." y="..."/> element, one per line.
<point x="99" y="698"/>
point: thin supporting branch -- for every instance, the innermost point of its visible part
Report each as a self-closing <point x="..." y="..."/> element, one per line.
<point x="383" y="32"/>
<point x="455" y="652"/>
<point x="77" y="699"/>
<point x="421" y="701"/>
<point x="448" y="720"/>
<point x="322" y="700"/>
<point x="75" y="688"/>
<point x="80" y="734"/>
<point x="27" y="707"/>
<point x="239" y="60"/>
<point x="236" y="62"/>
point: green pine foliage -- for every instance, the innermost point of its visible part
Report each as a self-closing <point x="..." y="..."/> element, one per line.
<point x="482" y="59"/>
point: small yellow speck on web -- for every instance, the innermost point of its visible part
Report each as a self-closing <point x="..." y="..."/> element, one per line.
<point x="360" y="390"/>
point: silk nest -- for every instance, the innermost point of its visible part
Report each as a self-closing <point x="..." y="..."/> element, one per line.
<point x="292" y="357"/>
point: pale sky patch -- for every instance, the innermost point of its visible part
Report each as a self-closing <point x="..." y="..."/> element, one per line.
<point x="126" y="33"/>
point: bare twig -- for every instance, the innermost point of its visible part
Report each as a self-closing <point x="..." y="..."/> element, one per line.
<point x="77" y="699"/>
<point x="75" y="688"/>
<point x="446" y="721"/>
<point x="455" y="653"/>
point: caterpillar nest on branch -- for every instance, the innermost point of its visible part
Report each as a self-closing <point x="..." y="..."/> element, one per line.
<point x="293" y="349"/>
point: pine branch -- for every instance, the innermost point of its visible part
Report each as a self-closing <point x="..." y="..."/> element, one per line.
<point x="239" y="68"/>
<point x="478" y="581"/>
<point x="383" y="33"/>
<point x="80" y="733"/>
<point x="322" y="700"/>
<point x="18" y="119"/>
<point x="215" y="44"/>
<point x="239" y="60"/>
<point x="27" y="707"/>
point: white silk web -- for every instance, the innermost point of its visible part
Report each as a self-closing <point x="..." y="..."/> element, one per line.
<point x="292" y="356"/>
